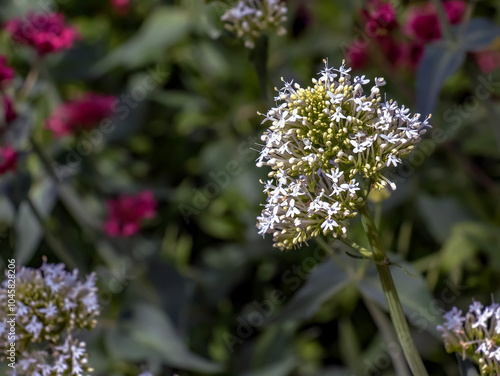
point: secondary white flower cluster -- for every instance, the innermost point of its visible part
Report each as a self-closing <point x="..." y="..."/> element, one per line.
<point x="70" y="358"/>
<point x="250" y="18"/>
<point x="49" y="303"/>
<point x="322" y="143"/>
<point x="475" y="335"/>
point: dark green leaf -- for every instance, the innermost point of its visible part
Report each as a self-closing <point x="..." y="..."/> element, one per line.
<point x="164" y="27"/>
<point x="152" y="329"/>
<point x="479" y="34"/>
<point x="324" y="282"/>
<point x="440" y="214"/>
<point x="440" y="61"/>
<point x="29" y="231"/>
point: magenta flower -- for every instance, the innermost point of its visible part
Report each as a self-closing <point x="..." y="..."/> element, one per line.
<point x="422" y="22"/>
<point x="6" y="72"/>
<point x="45" y="32"/>
<point x="455" y="10"/>
<point x="126" y="212"/>
<point x="8" y="159"/>
<point x="9" y="112"/>
<point x="83" y="113"/>
<point x="357" y="54"/>
<point x="379" y="16"/>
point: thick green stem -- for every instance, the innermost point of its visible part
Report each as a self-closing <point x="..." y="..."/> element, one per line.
<point x="391" y="294"/>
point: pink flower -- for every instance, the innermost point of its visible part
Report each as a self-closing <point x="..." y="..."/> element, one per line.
<point x="422" y="22"/>
<point x="126" y="212"/>
<point x="45" y="32"/>
<point x="357" y="54"/>
<point x="83" y="113"/>
<point x="120" y="6"/>
<point x="6" y="72"/>
<point x="8" y="159"/>
<point x="9" y="112"/>
<point x="455" y="10"/>
<point x="379" y="16"/>
<point x="488" y="60"/>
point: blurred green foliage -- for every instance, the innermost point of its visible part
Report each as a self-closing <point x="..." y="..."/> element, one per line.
<point x="198" y="291"/>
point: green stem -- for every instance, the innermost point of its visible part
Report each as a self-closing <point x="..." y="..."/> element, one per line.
<point x="391" y="294"/>
<point x="388" y="334"/>
<point x="31" y="79"/>
<point x="53" y="242"/>
<point x="443" y="21"/>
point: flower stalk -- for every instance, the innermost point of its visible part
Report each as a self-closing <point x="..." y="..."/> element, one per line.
<point x="396" y="312"/>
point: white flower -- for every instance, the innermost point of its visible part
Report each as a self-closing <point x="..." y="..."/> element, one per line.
<point x="324" y="144"/>
<point x="329" y="224"/>
<point x="34" y="327"/>
<point x="250" y="18"/>
<point x="50" y="311"/>
<point x="338" y="115"/>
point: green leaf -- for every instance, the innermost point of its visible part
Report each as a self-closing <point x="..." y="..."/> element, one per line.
<point x="443" y="58"/>
<point x="440" y="214"/>
<point x="121" y="346"/>
<point x="164" y="27"/>
<point x="479" y="34"/>
<point x="325" y="281"/>
<point x="280" y="368"/>
<point x="440" y="60"/>
<point x="152" y="329"/>
<point x="29" y="232"/>
<point x="465" y="241"/>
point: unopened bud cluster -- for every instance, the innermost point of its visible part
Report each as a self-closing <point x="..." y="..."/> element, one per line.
<point x="475" y="335"/>
<point x="322" y="143"/>
<point x="250" y="18"/>
<point x="50" y="304"/>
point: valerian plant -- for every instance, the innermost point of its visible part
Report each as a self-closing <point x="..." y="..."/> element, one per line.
<point x="328" y="146"/>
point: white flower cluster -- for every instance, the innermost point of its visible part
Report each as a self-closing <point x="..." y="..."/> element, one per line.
<point x="70" y="358"/>
<point x="322" y="142"/>
<point x="249" y="18"/>
<point x="475" y="335"/>
<point x="50" y="303"/>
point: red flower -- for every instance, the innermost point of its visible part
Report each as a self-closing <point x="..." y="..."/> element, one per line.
<point x="126" y="212"/>
<point x="6" y="72"/>
<point x="8" y="159"/>
<point x="44" y="32"/>
<point x="9" y="112"/>
<point x="357" y="54"/>
<point x="83" y="113"/>
<point x="422" y="22"/>
<point x="120" y="6"/>
<point x="379" y="16"/>
<point x="488" y="60"/>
